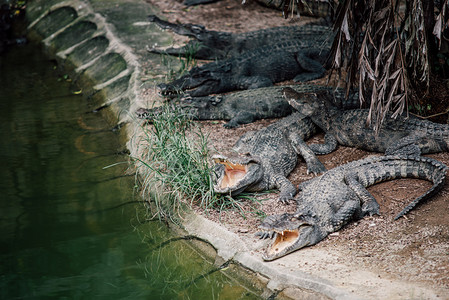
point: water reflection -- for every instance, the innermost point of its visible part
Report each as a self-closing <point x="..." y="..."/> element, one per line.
<point x="70" y="228"/>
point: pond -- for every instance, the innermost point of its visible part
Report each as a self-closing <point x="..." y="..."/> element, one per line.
<point x="72" y="225"/>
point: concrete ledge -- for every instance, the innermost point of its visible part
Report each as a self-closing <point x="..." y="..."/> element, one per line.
<point x="78" y="35"/>
<point x="231" y="247"/>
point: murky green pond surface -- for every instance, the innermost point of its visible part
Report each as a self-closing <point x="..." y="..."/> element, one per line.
<point x="70" y="228"/>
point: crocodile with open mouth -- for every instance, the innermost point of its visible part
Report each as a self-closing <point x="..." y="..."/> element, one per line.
<point x="262" y="159"/>
<point x="327" y="203"/>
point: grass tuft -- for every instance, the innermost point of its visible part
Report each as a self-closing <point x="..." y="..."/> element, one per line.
<point x="174" y="167"/>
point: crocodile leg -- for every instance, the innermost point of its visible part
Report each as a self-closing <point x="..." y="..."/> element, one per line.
<point x="253" y="82"/>
<point x="369" y="203"/>
<point x="314" y="166"/>
<point x="242" y="117"/>
<point x="312" y="69"/>
<point x="286" y="188"/>
<point x="330" y="144"/>
<point x="345" y="213"/>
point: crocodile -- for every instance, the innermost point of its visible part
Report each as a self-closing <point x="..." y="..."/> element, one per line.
<point x="198" y="2"/>
<point x="245" y="107"/>
<point x="327" y="203"/>
<point x="252" y="69"/>
<point x="314" y="8"/>
<point x="211" y="45"/>
<point x="400" y="135"/>
<point x="262" y="159"/>
<point x="317" y="8"/>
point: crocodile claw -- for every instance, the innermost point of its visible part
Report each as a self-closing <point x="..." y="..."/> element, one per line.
<point x="230" y="125"/>
<point x="264" y="234"/>
<point x="285" y="200"/>
<point x="316" y="169"/>
<point x="286" y="197"/>
<point x="371" y="208"/>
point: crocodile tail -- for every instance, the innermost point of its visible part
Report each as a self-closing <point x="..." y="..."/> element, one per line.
<point x="437" y="173"/>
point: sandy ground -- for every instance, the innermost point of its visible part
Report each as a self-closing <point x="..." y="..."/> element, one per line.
<point x="414" y="249"/>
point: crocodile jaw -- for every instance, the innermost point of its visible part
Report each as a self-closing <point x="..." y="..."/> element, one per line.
<point x="287" y="241"/>
<point x="291" y="232"/>
<point x="281" y="243"/>
<point x="236" y="175"/>
<point x="233" y="174"/>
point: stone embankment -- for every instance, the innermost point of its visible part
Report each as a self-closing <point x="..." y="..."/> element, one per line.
<point x="103" y="42"/>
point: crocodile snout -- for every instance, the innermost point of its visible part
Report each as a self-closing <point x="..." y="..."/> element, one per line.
<point x="167" y="89"/>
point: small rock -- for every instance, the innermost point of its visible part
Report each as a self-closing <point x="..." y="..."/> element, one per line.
<point x="243" y="230"/>
<point x="334" y="234"/>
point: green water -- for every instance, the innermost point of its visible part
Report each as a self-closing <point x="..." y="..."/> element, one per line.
<point x="70" y="228"/>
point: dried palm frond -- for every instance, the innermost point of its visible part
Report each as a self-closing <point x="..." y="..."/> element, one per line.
<point x="440" y="23"/>
<point x="416" y="46"/>
<point x="386" y="51"/>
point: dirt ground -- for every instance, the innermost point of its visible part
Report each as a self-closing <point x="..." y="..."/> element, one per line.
<point x="414" y="248"/>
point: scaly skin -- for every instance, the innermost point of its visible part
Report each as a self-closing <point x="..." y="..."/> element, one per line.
<point x="260" y="67"/>
<point x="210" y="45"/>
<point x="262" y="159"/>
<point x="330" y="201"/>
<point x="405" y="136"/>
<point x="310" y="8"/>
<point x="245" y="107"/>
<point x="198" y="2"/>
